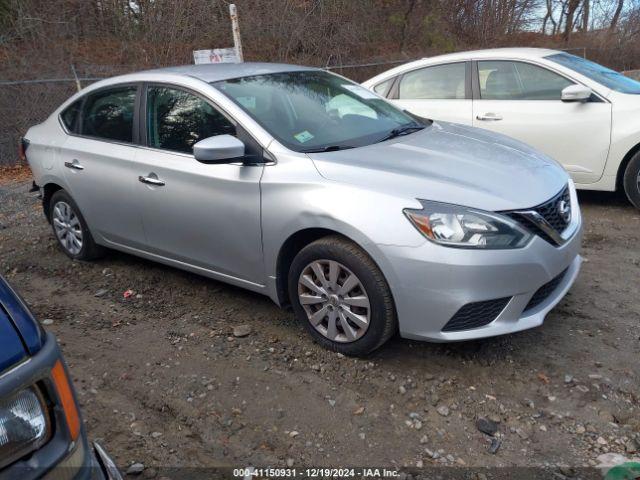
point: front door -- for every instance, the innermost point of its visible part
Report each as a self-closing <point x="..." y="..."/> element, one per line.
<point x="522" y="100"/>
<point x="203" y="215"/>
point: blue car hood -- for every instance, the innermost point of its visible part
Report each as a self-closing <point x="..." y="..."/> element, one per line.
<point x="12" y="348"/>
<point x="20" y="334"/>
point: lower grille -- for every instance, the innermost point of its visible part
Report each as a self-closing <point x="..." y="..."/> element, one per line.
<point x="476" y="314"/>
<point x="544" y="291"/>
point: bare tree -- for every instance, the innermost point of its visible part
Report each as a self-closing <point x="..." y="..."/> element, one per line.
<point x="570" y="11"/>
<point x="616" y="15"/>
<point x="549" y="17"/>
<point x="586" y="10"/>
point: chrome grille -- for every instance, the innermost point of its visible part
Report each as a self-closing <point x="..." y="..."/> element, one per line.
<point x="549" y="219"/>
<point x="550" y="210"/>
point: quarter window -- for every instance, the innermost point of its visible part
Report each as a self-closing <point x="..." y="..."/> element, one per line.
<point x="109" y="114"/>
<point x="437" y="82"/>
<point x="383" y="88"/>
<point x="503" y="80"/>
<point x="176" y="119"/>
<point x="70" y="116"/>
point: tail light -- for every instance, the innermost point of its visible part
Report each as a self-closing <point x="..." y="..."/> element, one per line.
<point x="22" y="149"/>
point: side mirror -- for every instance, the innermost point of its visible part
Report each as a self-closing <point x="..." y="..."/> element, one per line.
<point x="218" y="149"/>
<point x="576" y="93"/>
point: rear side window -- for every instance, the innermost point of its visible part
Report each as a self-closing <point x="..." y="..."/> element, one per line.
<point x="109" y="114"/>
<point x="437" y="82"/>
<point x="71" y="115"/>
<point x="176" y="119"/>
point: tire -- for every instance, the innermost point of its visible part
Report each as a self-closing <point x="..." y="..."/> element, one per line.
<point x="68" y="224"/>
<point x="367" y="297"/>
<point x="631" y="180"/>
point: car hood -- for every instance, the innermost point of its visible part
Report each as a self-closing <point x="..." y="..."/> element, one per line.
<point x="12" y="350"/>
<point x="20" y="333"/>
<point x="450" y="163"/>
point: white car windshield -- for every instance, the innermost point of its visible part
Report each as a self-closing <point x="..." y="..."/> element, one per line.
<point x="603" y="75"/>
<point x="310" y="111"/>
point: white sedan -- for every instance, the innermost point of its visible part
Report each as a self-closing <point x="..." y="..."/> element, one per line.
<point x="582" y="114"/>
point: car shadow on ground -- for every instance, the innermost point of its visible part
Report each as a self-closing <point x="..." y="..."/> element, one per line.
<point x="604" y="199"/>
<point x="486" y="351"/>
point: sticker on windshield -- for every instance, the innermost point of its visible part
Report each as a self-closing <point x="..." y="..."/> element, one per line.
<point x="303" y="136"/>
<point x="361" y="92"/>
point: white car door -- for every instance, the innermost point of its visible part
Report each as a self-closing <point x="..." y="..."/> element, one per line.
<point x="522" y="100"/>
<point x="438" y="92"/>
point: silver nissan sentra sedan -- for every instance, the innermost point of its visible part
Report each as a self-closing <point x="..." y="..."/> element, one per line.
<point x="306" y="187"/>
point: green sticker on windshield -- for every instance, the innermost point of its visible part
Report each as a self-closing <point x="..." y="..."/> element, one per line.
<point x="303" y="137"/>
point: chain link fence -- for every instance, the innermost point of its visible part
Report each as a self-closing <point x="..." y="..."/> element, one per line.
<point x="25" y="103"/>
<point x="28" y="102"/>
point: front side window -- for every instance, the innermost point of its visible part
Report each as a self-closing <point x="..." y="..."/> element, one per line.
<point x="603" y="75"/>
<point x="437" y="82"/>
<point x="505" y="80"/>
<point x="314" y="110"/>
<point x="108" y="114"/>
<point x="177" y="119"/>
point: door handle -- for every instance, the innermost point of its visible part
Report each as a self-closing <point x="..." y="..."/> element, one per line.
<point x="489" y="117"/>
<point x="74" y="165"/>
<point x="151" y="181"/>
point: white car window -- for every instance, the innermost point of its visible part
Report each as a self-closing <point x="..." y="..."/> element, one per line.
<point x="437" y="82"/>
<point x="383" y="88"/>
<point x="505" y="80"/>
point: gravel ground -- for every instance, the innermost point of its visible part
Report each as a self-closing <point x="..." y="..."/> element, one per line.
<point x="164" y="382"/>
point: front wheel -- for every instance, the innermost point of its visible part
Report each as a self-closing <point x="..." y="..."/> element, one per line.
<point x="341" y="297"/>
<point x="632" y="180"/>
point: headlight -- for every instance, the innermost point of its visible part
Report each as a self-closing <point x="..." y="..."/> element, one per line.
<point x="23" y="426"/>
<point x="463" y="227"/>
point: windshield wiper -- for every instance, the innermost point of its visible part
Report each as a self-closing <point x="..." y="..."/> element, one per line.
<point x="329" y="148"/>
<point x="403" y="130"/>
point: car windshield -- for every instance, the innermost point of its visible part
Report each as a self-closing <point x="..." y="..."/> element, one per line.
<point x="603" y="75"/>
<point x="317" y="111"/>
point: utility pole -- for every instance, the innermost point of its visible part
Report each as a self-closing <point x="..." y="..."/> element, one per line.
<point x="235" y="27"/>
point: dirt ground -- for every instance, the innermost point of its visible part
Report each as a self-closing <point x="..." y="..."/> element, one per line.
<point x="163" y="381"/>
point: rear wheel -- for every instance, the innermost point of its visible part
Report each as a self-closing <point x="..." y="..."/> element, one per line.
<point x="341" y="297"/>
<point x="632" y="180"/>
<point x="70" y="228"/>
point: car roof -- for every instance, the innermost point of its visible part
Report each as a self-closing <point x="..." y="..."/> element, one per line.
<point x="493" y="53"/>
<point x="496" y="53"/>
<point x="213" y="72"/>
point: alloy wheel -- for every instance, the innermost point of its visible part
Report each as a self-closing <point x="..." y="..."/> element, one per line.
<point x="67" y="227"/>
<point x="334" y="300"/>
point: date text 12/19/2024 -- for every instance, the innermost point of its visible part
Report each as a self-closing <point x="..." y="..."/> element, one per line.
<point x="251" y="473"/>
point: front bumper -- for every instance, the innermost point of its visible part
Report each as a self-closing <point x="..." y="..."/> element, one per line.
<point x="431" y="283"/>
<point x="60" y="458"/>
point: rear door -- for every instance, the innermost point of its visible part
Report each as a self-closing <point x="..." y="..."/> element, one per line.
<point x="522" y="100"/>
<point x="98" y="162"/>
<point x="438" y="92"/>
<point x="204" y="215"/>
